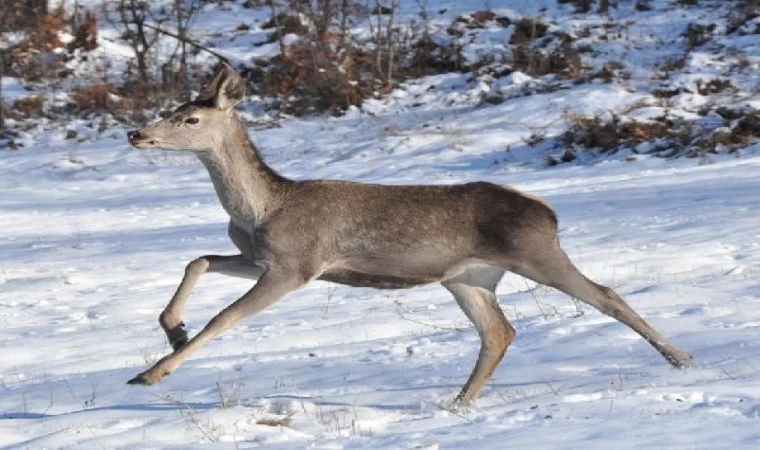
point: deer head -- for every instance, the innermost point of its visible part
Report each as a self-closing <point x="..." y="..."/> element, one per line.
<point x="195" y="126"/>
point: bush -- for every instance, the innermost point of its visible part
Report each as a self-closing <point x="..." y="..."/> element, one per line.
<point x="667" y="137"/>
<point x="28" y="107"/>
<point x="310" y="80"/>
<point x="93" y="99"/>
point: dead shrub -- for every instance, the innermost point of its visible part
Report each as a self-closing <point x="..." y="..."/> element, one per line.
<point x="743" y="12"/>
<point x="329" y="71"/>
<point x="34" y="58"/>
<point x="667" y="93"/>
<point x="308" y="80"/>
<point x="563" y="61"/>
<point x="608" y="73"/>
<point x="749" y="125"/>
<point x="527" y="30"/>
<point x="737" y="133"/>
<point x="483" y="16"/>
<point x="275" y="421"/>
<point x="480" y="19"/>
<point x="672" y="64"/>
<point x="28" y="107"/>
<point x="715" y="86"/>
<point x="476" y="20"/>
<point x="284" y="24"/>
<point x="430" y="58"/>
<point x="45" y="37"/>
<point x="724" y="112"/>
<point x="698" y="34"/>
<point x="94" y="98"/>
<point x="668" y="137"/>
<point x="596" y="133"/>
<point x="85" y="34"/>
<point x="19" y="15"/>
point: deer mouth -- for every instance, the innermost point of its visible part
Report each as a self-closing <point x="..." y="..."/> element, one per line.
<point x="138" y="140"/>
<point x="150" y="143"/>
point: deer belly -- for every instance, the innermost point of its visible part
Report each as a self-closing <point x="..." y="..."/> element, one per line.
<point x="377" y="281"/>
<point x="384" y="273"/>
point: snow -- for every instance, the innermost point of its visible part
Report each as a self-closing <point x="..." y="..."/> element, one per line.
<point x="96" y="235"/>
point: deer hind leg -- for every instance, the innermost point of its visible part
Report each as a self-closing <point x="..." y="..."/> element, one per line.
<point x="474" y="293"/>
<point x="171" y="318"/>
<point x="550" y="265"/>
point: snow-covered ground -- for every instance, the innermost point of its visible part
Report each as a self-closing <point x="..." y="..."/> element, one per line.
<point x="94" y="238"/>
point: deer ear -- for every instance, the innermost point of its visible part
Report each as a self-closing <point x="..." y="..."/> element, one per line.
<point x="231" y="89"/>
<point x="225" y="90"/>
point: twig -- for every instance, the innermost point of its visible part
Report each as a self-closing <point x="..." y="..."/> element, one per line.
<point x="400" y="311"/>
<point x="554" y="391"/>
<point x="188" y="41"/>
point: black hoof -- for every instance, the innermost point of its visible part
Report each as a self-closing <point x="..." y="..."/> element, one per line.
<point x="139" y="380"/>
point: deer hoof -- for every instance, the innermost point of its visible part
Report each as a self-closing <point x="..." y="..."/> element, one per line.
<point x="461" y="401"/>
<point x="139" y="380"/>
<point x="681" y="361"/>
<point x="145" y="379"/>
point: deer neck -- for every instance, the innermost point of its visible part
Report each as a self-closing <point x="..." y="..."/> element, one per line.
<point x="246" y="186"/>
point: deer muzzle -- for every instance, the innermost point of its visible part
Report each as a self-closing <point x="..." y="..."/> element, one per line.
<point x="139" y="140"/>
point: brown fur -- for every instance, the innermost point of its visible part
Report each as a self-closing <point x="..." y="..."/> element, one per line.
<point x="291" y="232"/>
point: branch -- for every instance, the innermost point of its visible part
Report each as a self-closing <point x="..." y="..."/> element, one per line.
<point x="187" y="41"/>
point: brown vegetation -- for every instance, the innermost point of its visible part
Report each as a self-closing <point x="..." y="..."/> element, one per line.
<point x="92" y="98"/>
<point x="26" y="107"/>
<point x="698" y="34"/>
<point x="669" y="137"/>
<point x="563" y="61"/>
<point x="609" y="135"/>
<point x="308" y="81"/>
<point x="85" y="34"/>
<point x="527" y="30"/>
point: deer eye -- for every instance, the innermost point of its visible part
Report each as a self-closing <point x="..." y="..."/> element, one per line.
<point x="192" y="120"/>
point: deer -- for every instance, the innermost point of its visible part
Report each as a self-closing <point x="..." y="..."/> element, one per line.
<point x="291" y="232"/>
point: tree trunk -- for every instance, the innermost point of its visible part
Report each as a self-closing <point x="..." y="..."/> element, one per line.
<point x="2" y="100"/>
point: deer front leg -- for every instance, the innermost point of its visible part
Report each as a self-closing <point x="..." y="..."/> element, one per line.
<point x="273" y="285"/>
<point x="171" y="318"/>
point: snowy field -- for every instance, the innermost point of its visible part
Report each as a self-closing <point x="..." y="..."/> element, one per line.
<point x="94" y="238"/>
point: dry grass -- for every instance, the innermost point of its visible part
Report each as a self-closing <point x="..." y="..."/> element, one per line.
<point x="608" y="135"/>
<point x="27" y="107"/>
<point x="276" y="421"/>
<point x="698" y="34"/>
<point x="563" y="61"/>
<point x="668" y="137"/>
<point x="527" y="30"/>
<point x="309" y="79"/>
<point x="93" y="98"/>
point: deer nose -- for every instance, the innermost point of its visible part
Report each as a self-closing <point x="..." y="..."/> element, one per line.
<point x="132" y="135"/>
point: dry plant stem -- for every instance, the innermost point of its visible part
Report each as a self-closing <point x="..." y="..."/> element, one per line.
<point x="186" y="40"/>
